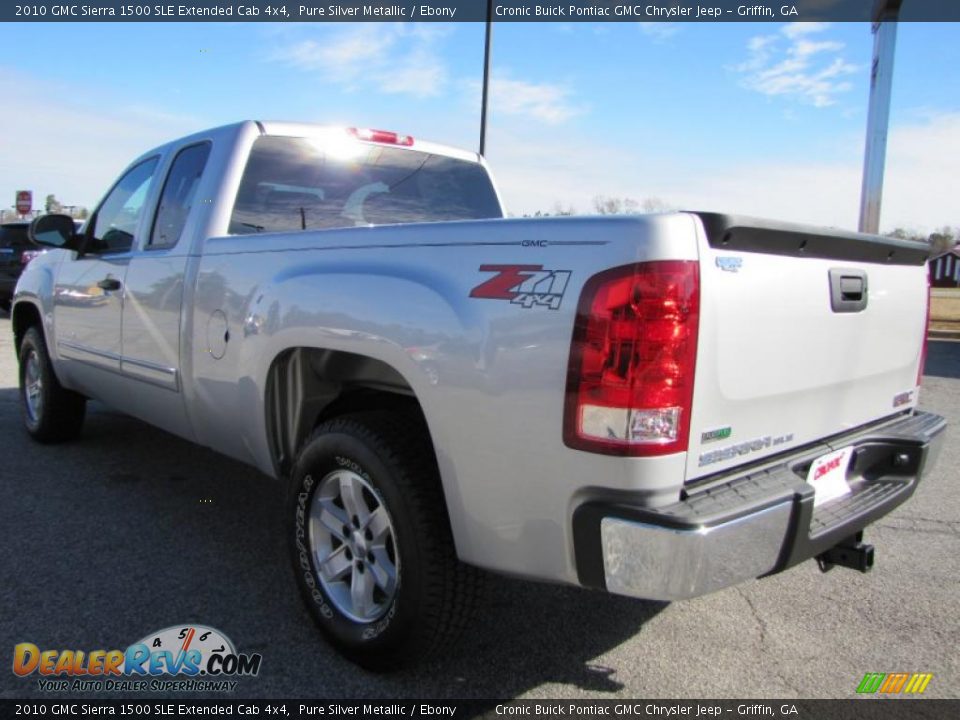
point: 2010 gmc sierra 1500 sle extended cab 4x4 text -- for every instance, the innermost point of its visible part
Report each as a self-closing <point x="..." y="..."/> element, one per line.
<point x="659" y="406"/>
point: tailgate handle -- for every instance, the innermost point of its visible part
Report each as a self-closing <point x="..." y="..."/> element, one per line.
<point x="851" y="288"/>
<point x="848" y="290"/>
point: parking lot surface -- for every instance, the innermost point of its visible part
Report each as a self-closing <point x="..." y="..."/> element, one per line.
<point x="131" y="530"/>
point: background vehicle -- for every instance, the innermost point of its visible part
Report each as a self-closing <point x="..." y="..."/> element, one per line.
<point x="16" y="250"/>
<point x="658" y="406"/>
<point x="13" y="243"/>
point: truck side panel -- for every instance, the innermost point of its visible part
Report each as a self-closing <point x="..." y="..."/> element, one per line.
<point x="490" y="374"/>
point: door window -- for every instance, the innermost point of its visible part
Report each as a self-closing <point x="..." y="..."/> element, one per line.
<point x="115" y="223"/>
<point x="179" y="195"/>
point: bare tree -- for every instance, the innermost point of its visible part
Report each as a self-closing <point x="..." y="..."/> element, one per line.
<point x="605" y="205"/>
<point x="655" y="204"/>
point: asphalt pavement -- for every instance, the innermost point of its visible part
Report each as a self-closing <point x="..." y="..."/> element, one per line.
<point x="131" y="530"/>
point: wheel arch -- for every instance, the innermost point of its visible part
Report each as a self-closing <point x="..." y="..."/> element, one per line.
<point x="308" y="385"/>
<point x="23" y="316"/>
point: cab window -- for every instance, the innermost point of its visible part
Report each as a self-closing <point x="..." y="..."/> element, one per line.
<point x="310" y="184"/>
<point x="179" y="195"/>
<point x="115" y="223"/>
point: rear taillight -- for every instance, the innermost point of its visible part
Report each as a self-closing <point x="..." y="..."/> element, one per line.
<point x="630" y="381"/>
<point x="381" y="136"/>
<point x="926" y="330"/>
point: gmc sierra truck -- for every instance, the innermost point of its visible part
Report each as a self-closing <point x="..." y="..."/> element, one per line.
<point x="657" y="406"/>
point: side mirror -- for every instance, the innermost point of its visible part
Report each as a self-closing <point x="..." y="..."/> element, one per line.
<point x="56" y="231"/>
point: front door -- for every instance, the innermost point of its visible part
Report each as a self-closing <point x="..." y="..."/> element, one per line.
<point x="89" y="293"/>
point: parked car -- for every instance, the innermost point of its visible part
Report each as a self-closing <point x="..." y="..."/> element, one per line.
<point x="14" y="242"/>
<point x="657" y="406"/>
<point x="16" y="250"/>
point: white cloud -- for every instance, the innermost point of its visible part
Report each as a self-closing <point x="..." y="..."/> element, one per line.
<point x="390" y="57"/>
<point x="659" y="31"/>
<point x="537" y="171"/>
<point x="799" y="29"/>
<point x="419" y="74"/>
<point x="74" y="146"/>
<point x="397" y="58"/>
<point x="549" y="103"/>
<point x="792" y="65"/>
<point x="921" y="174"/>
<point x="543" y="101"/>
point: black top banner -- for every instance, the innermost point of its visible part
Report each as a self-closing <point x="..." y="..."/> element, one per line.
<point x="477" y="11"/>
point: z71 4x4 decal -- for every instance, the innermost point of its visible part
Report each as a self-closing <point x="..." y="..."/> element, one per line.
<point x="525" y="285"/>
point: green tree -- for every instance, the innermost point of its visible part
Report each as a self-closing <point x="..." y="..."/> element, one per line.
<point x="939" y="241"/>
<point x="943" y="239"/>
<point x="905" y="234"/>
<point x="52" y="205"/>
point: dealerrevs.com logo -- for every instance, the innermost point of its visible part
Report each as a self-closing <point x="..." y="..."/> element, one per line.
<point x="182" y="657"/>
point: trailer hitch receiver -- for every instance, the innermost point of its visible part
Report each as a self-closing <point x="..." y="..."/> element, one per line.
<point x="852" y="553"/>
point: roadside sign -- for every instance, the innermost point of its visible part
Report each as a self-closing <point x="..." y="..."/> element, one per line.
<point x="24" y="202"/>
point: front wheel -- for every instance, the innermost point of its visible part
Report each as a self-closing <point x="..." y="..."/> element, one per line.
<point x="371" y="541"/>
<point x="51" y="413"/>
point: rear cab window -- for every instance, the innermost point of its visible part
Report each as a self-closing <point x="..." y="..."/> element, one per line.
<point x="294" y="184"/>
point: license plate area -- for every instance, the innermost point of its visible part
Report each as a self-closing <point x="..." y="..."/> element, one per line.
<point x="828" y="476"/>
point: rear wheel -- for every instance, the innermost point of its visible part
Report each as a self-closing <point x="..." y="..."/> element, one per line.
<point x="51" y="413"/>
<point x="371" y="541"/>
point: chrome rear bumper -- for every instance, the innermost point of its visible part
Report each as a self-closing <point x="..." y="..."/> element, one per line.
<point x="754" y="523"/>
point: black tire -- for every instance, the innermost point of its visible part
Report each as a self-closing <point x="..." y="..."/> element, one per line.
<point x="51" y="413"/>
<point x="434" y="592"/>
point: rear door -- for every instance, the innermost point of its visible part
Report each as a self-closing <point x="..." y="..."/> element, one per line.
<point x="154" y="280"/>
<point x="803" y="334"/>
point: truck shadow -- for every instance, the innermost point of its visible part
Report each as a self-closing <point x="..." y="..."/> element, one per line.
<point x="149" y="531"/>
<point x="943" y="359"/>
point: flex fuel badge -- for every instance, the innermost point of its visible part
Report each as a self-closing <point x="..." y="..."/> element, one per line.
<point x="713" y="435"/>
<point x="183" y="657"/>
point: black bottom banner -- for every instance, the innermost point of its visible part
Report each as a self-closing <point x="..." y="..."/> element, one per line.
<point x="625" y="709"/>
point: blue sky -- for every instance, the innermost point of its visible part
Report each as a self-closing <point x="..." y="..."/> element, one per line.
<point x="766" y="119"/>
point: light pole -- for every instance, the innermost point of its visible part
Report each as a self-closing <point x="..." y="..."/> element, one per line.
<point x="486" y="77"/>
<point x="885" y="14"/>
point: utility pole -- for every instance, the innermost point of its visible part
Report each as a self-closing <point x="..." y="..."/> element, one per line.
<point x="486" y="77"/>
<point x="885" y="15"/>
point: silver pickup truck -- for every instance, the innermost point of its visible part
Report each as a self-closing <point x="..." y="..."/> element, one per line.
<point x="658" y="406"/>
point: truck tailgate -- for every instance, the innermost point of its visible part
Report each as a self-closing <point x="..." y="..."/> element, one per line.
<point x="804" y="333"/>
